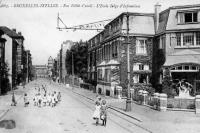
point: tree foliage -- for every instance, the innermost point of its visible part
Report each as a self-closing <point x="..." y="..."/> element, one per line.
<point x="79" y="51"/>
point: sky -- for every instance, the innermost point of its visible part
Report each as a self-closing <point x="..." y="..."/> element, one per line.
<point x="38" y="24"/>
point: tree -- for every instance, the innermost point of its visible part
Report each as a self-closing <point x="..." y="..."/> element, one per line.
<point x="79" y="51"/>
<point x="167" y="86"/>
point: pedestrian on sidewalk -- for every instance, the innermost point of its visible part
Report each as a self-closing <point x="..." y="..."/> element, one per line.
<point x="103" y="114"/>
<point x="53" y="100"/>
<point x="96" y="114"/>
<point x="39" y="100"/>
<point x="14" y="103"/>
<point x="26" y="101"/>
<point x="59" y="96"/>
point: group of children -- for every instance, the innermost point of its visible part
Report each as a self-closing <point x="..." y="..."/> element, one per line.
<point x="42" y="98"/>
<point x="100" y="111"/>
<point x="50" y="99"/>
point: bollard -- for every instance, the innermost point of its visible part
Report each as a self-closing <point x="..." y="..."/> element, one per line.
<point x="144" y="96"/>
<point x="197" y="104"/>
<point x="162" y="102"/>
<point x="119" y="91"/>
<point x="155" y="100"/>
<point x="132" y="93"/>
<point x="140" y="96"/>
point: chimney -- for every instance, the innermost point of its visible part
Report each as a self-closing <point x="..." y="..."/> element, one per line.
<point x="14" y="30"/>
<point x="157" y="11"/>
<point x="19" y="33"/>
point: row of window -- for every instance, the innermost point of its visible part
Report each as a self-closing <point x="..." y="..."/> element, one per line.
<point x="138" y="78"/>
<point x="188" y="39"/>
<point x="185" y="67"/>
<point x="140" y="66"/>
<point x="104" y="76"/>
<point x="111" y="50"/>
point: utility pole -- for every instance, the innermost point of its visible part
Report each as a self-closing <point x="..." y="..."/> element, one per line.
<point x="128" y="101"/>
<point x="27" y="67"/>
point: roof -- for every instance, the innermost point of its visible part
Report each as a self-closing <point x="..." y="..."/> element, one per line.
<point x="10" y="32"/>
<point x="162" y="22"/>
<point x="185" y="56"/>
<point x="130" y="14"/>
<point x="103" y="63"/>
<point x="141" y="24"/>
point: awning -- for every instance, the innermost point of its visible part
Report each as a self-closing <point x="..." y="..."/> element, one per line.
<point x="185" y="56"/>
<point x="113" y="62"/>
<point x="103" y="63"/>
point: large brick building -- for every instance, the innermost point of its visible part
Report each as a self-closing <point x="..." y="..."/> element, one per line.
<point x="167" y="40"/>
<point x="107" y="52"/>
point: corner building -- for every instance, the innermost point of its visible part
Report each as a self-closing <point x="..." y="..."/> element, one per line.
<point x="107" y="52"/>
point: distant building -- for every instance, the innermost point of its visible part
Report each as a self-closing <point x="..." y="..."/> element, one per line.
<point x="50" y="66"/>
<point x="41" y="71"/>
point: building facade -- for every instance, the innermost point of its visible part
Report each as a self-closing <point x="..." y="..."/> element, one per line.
<point x="2" y="60"/>
<point x="41" y="71"/>
<point x="160" y="43"/>
<point x="107" y="59"/>
<point x="13" y="53"/>
<point x="177" y="45"/>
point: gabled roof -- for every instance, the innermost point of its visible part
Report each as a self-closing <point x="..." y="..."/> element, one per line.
<point x="10" y="32"/>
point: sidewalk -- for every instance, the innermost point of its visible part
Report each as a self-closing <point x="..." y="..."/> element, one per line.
<point x="155" y="121"/>
<point x="5" y="100"/>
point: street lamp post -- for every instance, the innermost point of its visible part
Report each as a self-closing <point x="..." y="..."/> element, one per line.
<point x="27" y="71"/>
<point x="128" y="101"/>
<point x="72" y="71"/>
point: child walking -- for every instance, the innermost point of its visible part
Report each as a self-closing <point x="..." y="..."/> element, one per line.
<point x="26" y="102"/>
<point x="104" y="108"/>
<point x="96" y="114"/>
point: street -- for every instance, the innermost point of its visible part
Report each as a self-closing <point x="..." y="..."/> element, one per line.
<point x="73" y="115"/>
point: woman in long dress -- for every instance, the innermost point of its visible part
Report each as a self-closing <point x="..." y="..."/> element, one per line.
<point x="96" y="114"/>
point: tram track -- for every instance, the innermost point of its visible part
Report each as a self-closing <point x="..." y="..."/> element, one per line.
<point x="113" y="111"/>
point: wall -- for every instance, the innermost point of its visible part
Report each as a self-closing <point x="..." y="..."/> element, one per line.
<point x="8" y="55"/>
